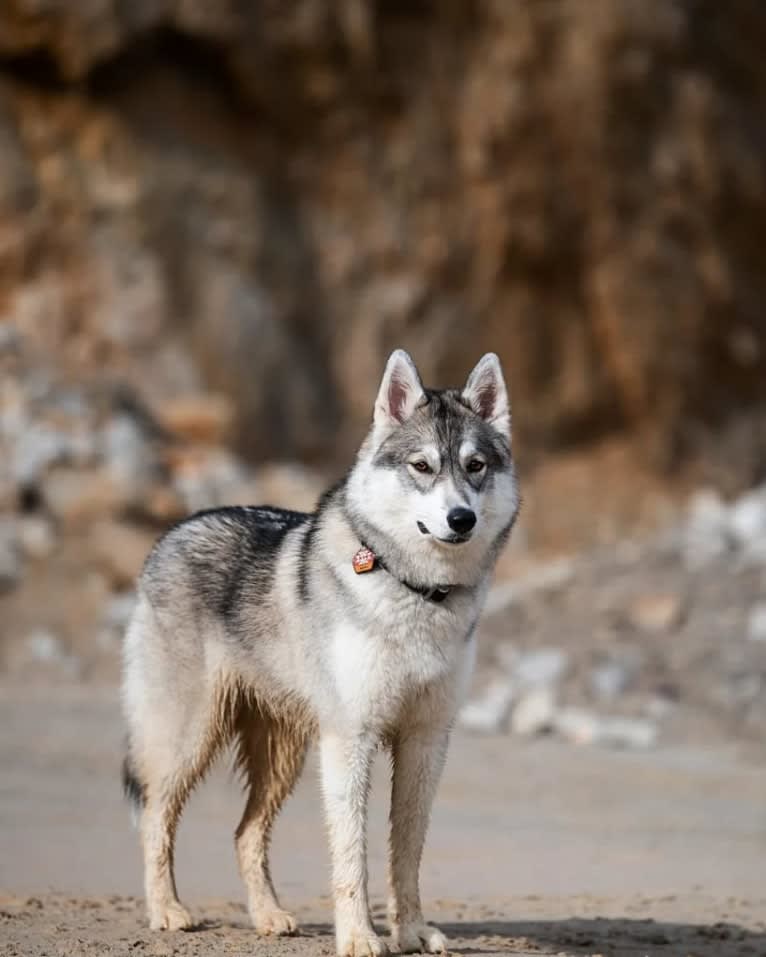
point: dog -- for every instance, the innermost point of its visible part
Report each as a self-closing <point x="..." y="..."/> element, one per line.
<point x="354" y="625"/>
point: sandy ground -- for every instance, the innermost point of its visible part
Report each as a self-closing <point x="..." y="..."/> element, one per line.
<point x="535" y="848"/>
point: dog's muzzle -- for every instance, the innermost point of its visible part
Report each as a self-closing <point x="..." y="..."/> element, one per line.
<point x="458" y="537"/>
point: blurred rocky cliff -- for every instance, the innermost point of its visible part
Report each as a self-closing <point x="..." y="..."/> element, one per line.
<point x="216" y="219"/>
<point x="262" y="198"/>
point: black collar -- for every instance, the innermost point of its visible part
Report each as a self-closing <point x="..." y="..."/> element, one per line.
<point x="436" y="594"/>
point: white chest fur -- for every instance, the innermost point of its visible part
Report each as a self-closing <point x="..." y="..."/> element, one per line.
<point x="379" y="668"/>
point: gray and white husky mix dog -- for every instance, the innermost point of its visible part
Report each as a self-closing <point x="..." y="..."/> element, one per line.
<point x="354" y="624"/>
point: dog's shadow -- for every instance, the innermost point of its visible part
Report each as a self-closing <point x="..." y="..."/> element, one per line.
<point x="616" y="937"/>
<point x="578" y="937"/>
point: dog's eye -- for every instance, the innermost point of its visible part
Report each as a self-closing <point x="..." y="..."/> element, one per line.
<point x="421" y="466"/>
<point x="475" y="466"/>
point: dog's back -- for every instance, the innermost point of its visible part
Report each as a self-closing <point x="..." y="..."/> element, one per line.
<point x="217" y="560"/>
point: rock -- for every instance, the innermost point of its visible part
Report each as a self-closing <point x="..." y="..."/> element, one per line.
<point x="713" y="528"/>
<point x="535" y="712"/>
<point x="77" y="497"/>
<point x="659" y="706"/>
<point x="37" y="448"/>
<point x="205" y="477"/>
<point x="488" y="713"/>
<point x="10" y="557"/>
<point x="543" y="667"/>
<point x="633" y="733"/>
<point x="129" y="459"/>
<point x="756" y="622"/>
<point x="610" y="680"/>
<point x="549" y="576"/>
<point x="58" y="437"/>
<point x="656" y="612"/>
<point x="707" y="529"/>
<point x="577" y="725"/>
<point x="584" y="727"/>
<point x="120" y="549"/>
<point x="205" y="418"/>
<point x="747" y="519"/>
<point x="747" y="526"/>
<point x="46" y="648"/>
<point x="37" y="537"/>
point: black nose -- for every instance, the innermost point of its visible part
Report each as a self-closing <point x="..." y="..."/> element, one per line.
<point x="461" y="520"/>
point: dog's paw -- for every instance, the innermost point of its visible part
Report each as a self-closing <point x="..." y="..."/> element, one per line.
<point x="171" y="916"/>
<point x="362" y="943"/>
<point x="274" y="921"/>
<point x="417" y="938"/>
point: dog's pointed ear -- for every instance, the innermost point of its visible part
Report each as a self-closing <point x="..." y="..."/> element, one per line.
<point x="486" y="394"/>
<point x="400" y="391"/>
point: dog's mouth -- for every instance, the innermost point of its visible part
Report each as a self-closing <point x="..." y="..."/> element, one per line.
<point x="453" y="539"/>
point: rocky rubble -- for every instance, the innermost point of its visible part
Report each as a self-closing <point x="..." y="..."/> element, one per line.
<point x="640" y="643"/>
<point x="623" y="645"/>
<point x="88" y="479"/>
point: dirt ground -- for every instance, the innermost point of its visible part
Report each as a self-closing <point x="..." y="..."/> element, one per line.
<point x="535" y="848"/>
<point x="60" y="925"/>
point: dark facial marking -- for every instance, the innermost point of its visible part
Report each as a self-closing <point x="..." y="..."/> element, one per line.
<point x="445" y="421"/>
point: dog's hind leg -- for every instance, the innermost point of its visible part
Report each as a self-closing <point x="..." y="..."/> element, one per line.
<point x="158" y="827"/>
<point x="178" y="717"/>
<point x="271" y="755"/>
<point x="168" y="778"/>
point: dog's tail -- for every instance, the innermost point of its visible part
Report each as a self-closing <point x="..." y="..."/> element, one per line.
<point x="132" y="786"/>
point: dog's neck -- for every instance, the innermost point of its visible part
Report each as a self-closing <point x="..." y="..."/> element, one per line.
<point x="366" y="560"/>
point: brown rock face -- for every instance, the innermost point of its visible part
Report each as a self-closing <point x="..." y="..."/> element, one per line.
<point x="265" y="198"/>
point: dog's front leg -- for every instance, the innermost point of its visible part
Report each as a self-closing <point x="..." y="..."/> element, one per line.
<point x="345" y="766"/>
<point x="418" y="758"/>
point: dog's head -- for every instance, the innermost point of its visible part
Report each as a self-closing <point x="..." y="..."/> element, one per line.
<point x="435" y="475"/>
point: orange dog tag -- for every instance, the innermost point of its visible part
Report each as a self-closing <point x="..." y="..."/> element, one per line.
<point x="363" y="561"/>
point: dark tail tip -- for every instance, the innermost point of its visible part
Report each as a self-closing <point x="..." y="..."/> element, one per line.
<point x="132" y="787"/>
